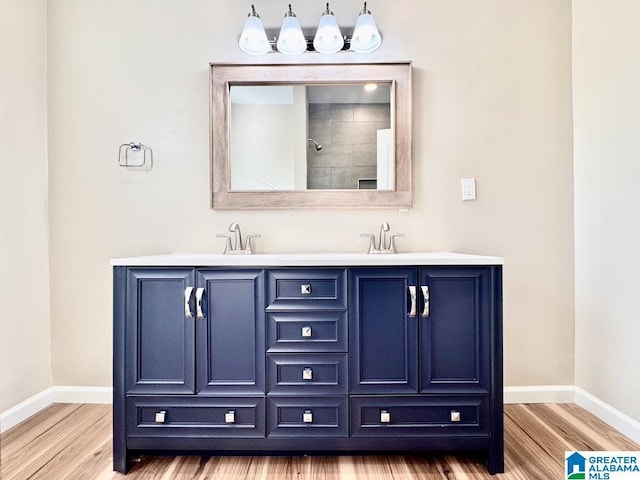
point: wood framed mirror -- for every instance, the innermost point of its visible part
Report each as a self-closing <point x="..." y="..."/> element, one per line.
<point x="310" y="136"/>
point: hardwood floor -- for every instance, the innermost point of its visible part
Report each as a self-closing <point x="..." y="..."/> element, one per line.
<point x="71" y="441"/>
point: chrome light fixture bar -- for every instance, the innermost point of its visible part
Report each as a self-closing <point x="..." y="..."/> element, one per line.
<point x="328" y="38"/>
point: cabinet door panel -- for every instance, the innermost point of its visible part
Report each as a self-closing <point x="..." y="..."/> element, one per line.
<point x="160" y="338"/>
<point x="231" y="342"/>
<point x="455" y="333"/>
<point x="383" y="337"/>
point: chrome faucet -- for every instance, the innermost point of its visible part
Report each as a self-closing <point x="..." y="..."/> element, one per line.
<point x="382" y="241"/>
<point x="235" y="247"/>
<point x="237" y="237"/>
<point x="385" y="244"/>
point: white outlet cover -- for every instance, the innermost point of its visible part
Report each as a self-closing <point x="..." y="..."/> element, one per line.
<point x="468" y="188"/>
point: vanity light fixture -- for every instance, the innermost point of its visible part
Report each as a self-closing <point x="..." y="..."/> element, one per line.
<point x="366" y="37"/>
<point x="328" y="38"/>
<point x="253" y="39"/>
<point x="291" y="40"/>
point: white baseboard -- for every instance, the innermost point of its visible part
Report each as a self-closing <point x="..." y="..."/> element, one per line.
<point x="540" y="394"/>
<point x="608" y="414"/>
<point x="34" y="404"/>
<point x="23" y="410"/>
<point x="523" y="394"/>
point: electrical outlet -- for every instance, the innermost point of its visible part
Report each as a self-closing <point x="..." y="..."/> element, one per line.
<point x="468" y="188"/>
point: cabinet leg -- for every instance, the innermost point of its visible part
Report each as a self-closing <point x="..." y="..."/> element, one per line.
<point x="495" y="462"/>
<point x="121" y="462"/>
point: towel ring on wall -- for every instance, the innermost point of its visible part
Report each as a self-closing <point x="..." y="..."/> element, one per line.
<point x="127" y="155"/>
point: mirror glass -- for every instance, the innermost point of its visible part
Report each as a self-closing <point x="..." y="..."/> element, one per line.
<point x="309" y="137"/>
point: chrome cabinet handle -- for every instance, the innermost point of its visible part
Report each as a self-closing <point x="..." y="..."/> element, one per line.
<point x="385" y="416"/>
<point x="306" y="331"/>
<point x="199" y="294"/>
<point x="425" y="295"/>
<point x="161" y="416"/>
<point x="307" y="416"/>
<point x="187" y="298"/>
<point x="230" y="416"/>
<point x="305" y="289"/>
<point x="412" y="292"/>
<point x="307" y="374"/>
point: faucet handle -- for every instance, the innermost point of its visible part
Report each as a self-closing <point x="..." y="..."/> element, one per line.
<point x="248" y="238"/>
<point x="372" y="241"/>
<point x="392" y="243"/>
<point x="227" y="245"/>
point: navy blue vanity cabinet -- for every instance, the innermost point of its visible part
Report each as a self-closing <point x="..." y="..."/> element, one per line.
<point x="425" y="353"/>
<point x="189" y="358"/>
<point x="308" y="360"/>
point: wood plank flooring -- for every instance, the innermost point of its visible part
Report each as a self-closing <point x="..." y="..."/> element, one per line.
<point x="72" y="441"/>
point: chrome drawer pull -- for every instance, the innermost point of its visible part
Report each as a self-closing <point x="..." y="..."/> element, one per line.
<point x="455" y="416"/>
<point x="307" y="416"/>
<point x="425" y="295"/>
<point x="385" y="416"/>
<point x="161" y="416"/>
<point x="306" y="331"/>
<point x="187" y="298"/>
<point x="412" y="293"/>
<point x="307" y="374"/>
<point x="230" y="416"/>
<point x="305" y="289"/>
<point x="199" y="311"/>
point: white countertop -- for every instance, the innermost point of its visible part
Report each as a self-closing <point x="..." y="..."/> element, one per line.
<point x="306" y="260"/>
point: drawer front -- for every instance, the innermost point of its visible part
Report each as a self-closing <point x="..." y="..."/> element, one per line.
<point x="308" y="374"/>
<point x="307" y="331"/>
<point x="296" y="289"/>
<point x="417" y="416"/>
<point x="179" y="416"/>
<point x="307" y="417"/>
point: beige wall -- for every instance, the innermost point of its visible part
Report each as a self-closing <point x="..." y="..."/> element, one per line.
<point x="25" y="344"/>
<point x="492" y="100"/>
<point x="606" y="76"/>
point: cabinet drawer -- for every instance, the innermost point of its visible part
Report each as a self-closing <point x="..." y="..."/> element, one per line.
<point x="417" y="416"/>
<point x="307" y="417"/>
<point x="295" y="289"/>
<point x="307" y="331"/>
<point x="179" y="416"/>
<point x="309" y="374"/>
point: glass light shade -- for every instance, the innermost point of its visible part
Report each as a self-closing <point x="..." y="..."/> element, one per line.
<point x="291" y="40"/>
<point x="328" y="38"/>
<point x="366" y="37"/>
<point x="253" y="39"/>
